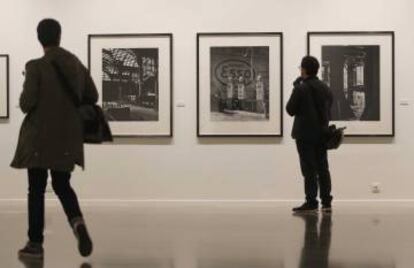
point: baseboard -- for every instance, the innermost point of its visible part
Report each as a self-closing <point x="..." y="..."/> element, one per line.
<point x="239" y="202"/>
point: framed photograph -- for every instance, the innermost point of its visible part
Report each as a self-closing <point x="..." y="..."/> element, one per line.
<point x="359" y="68"/>
<point x="133" y="74"/>
<point x="4" y="86"/>
<point x="239" y="91"/>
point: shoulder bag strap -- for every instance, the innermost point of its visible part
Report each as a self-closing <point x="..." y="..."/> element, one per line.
<point x="65" y="84"/>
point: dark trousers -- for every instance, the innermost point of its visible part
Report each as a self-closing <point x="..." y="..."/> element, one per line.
<point x="36" y="199"/>
<point x="315" y="169"/>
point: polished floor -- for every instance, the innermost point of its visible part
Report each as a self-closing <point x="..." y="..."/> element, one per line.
<point x="209" y="235"/>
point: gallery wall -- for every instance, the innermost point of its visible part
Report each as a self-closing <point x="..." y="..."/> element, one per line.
<point x="186" y="167"/>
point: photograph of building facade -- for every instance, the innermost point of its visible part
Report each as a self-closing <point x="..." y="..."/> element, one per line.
<point x="353" y="74"/>
<point x="130" y="84"/>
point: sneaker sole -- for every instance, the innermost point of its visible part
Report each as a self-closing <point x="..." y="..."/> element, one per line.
<point x="308" y="211"/>
<point x="23" y="255"/>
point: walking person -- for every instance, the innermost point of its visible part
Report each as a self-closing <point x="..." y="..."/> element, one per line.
<point x="51" y="136"/>
<point x="310" y="104"/>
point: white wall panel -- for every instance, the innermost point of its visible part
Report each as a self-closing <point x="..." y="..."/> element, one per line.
<point x="211" y="169"/>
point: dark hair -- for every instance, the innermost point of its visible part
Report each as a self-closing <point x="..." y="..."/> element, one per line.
<point x="311" y="65"/>
<point x="48" y="32"/>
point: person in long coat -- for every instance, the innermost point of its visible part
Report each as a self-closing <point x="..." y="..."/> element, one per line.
<point x="51" y="136"/>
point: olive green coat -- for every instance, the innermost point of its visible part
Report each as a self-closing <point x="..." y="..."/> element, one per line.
<point x="51" y="134"/>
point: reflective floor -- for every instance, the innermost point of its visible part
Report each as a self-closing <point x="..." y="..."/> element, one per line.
<point x="370" y="235"/>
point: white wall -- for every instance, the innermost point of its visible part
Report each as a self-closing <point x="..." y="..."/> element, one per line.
<point x="189" y="168"/>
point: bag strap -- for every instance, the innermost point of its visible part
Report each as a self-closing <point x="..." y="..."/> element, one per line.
<point x="65" y="85"/>
<point x="315" y="105"/>
<point x="318" y="111"/>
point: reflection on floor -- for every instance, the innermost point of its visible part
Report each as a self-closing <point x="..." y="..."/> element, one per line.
<point x="181" y="235"/>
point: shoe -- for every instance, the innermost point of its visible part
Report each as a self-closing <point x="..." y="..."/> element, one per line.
<point x="85" y="245"/>
<point x="310" y="218"/>
<point x="86" y="265"/>
<point x="306" y="207"/>
<point x="32" y="263"/>
<point x="326" y="208"/>
<point x="31" y="251"/>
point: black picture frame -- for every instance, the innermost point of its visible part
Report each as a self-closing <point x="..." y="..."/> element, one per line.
<point x="171" y="73"/>
<point x="7" y="59"/>
<point x="391" y="34"/>
<point x="240" y="34"/>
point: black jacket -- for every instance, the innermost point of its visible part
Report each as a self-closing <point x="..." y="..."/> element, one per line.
<point x="310" y="104"/>
<point x="51" y="135"/>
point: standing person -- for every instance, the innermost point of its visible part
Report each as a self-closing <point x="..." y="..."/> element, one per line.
<point x="241" y="92"/>
<point x="51" y="136"/>
<point x="260" y="95"/>
<point x="310" y="104"/>
<point x="222" y="99"/>
<point x="230" y="93"/>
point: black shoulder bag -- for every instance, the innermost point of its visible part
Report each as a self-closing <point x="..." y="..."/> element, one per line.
<point x="95" y="126"/>
<point x="333" y="136"/>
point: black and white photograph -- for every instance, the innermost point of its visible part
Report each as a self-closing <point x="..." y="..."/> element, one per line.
<point x="130" y="84"/>
<point x="133" y="74"/>
<point x="4" y="86"/>
<point x="359" y="69"/>
<point x="352" y="73"/>
<point x="239" y="84"/>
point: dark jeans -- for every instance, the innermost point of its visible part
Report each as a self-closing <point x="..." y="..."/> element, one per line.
<point x="36" y="199"/>
<point x="315" y="169"/>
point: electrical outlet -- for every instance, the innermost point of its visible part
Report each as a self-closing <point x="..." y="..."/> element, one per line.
<point x="376" y="187"/>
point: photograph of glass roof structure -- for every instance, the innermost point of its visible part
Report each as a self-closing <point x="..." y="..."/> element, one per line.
<point x="130" y="84"/>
